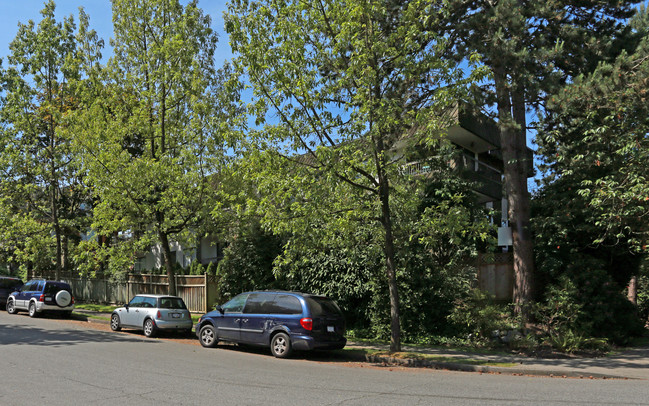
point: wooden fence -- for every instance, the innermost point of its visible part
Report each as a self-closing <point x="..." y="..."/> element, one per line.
<point x="496" y="275"/>
<point x="198" y="291"/>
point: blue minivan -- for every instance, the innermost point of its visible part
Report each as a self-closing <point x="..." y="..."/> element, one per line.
<point x="284" y="321"/>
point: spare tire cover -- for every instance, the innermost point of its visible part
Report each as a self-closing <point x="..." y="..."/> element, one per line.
<point x="63" y="298"/>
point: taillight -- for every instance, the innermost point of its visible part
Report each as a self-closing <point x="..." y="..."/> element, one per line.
<point x="72" y="302"/>
<point x="159" y="315"/>
<point x="306" y="323"/>
<point x="41" y="298"/>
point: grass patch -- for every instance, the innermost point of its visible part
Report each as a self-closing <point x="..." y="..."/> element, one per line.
<point x="95" y="307"/>
<point x="438" y="358"/>
<point x="91" y="316"/>
<point x="473" y="349"/>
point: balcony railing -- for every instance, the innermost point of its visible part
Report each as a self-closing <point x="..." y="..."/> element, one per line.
<point x="488" y="179"/>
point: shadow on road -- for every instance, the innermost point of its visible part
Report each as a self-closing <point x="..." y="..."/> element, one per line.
<point x="32" y="335"/>
<point x="313" y="356"/>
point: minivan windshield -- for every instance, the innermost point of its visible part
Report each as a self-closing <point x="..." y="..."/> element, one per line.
<point x="322" y="306"/>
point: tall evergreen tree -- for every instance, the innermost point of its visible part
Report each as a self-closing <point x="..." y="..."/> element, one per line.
<point x="531" y="48"/>
<point x="595" y="148"/>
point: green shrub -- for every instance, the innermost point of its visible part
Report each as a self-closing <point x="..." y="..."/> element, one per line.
<point x="570" y="341"/>
<point x="480" y="316"/>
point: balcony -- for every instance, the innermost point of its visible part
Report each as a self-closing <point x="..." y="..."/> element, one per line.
<point x="488" y="180"/>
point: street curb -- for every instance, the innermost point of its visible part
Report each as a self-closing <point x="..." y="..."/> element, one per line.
<point x="454" y="366"/>
<point x="85" y="317"/>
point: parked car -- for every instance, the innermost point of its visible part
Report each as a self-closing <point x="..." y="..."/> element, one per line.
<point x="151" y="313"/>
<point x="8" y="285"/>
<point x="40" y="295"/>
<point x="284" y="321"/>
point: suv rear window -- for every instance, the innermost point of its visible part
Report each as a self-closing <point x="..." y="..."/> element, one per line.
<point x="54" y="287"/>
<point x="322" y="306"/>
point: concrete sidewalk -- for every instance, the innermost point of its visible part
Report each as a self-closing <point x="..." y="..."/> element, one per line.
<point x="632" y="363"/>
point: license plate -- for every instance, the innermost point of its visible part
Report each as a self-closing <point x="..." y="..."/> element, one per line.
<point x="175" y="315"/>
<point x="331" y="329"/>
<point x="48" y="299"/>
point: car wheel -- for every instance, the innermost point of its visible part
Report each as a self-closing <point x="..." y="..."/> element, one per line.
<point x="11" y="307"/>
<point x="280" y="345"/>
<point x="207" y="336"/>
<point x="149" y="328"/>
<point x="32" y="310"/>
<point x="114" y="323"/>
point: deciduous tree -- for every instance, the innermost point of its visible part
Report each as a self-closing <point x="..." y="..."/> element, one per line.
<point x="349" y="89"/>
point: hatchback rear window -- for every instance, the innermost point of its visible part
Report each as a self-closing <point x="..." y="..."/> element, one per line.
<point x="172" y="303"/>
<point x="322" y="306"/>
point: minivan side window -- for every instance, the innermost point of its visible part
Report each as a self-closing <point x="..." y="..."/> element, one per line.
<point x="28" y="286"/>
<point x="236" y="304"/>
<point x="287" y="304"/>
<point x="259" y="303"/>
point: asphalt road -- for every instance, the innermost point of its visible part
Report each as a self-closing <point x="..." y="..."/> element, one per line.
<point x="59" y="362"/>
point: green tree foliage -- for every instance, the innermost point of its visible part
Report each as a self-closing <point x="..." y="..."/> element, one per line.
<point x="595" y="147"/>
<point x="43" y="195"/>
<point x="155" y="123"/>
<point x="530" y="48"/>
<point x="247" y="262"/>
<point x="352" y="88"/>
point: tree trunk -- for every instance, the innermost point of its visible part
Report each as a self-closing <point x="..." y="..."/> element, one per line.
<point x="388" y="249"/>
<point x="57" y="229"/>
<point x="513" y="144"/>
<point x="632" y="293"/>
<point x="169" y="262"/>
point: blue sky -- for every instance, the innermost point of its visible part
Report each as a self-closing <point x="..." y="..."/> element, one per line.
<point x="14" y="11"/>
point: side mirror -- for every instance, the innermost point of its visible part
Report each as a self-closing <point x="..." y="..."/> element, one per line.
<point x="220" y="309"/>
<point x="126" y="306"/>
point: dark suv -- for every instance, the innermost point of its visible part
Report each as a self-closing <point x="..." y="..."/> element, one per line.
<point x="282" y="320"/>
<point x="39" y="295"/>
<point x="8" y="285"/>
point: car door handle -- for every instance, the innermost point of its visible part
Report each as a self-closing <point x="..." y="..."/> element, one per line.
<point x="244" y="320"/>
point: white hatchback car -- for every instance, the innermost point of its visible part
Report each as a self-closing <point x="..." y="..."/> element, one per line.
<point x="152" y="313"/>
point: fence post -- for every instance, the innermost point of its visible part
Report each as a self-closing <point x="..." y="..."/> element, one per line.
<point x="205" y="293"/>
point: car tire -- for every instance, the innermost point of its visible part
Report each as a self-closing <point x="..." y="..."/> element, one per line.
<point x="114" y="323"/>
<point x="280" y="345"/>
<point x="207" y="336"/>
<point x="11" y="307"/>
<point x="149" y="328"/>
<point x="32" y="310"/>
